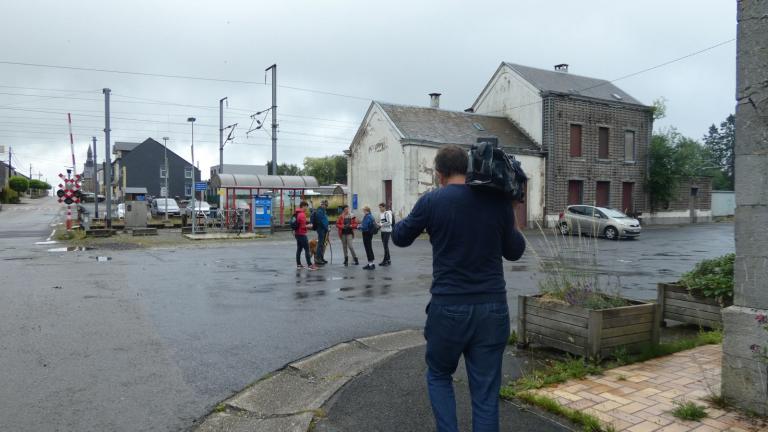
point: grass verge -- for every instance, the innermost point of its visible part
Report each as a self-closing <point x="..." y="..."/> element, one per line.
<point x="588" y="422"/>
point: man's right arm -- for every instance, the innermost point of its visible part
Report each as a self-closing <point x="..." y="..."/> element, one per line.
<point x="408" y="229"/>
<point x="513" y="241"/>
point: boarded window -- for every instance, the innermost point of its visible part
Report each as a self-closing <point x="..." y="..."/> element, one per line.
<point x="575" y="191"/>
<point x="629" y="146"/>
<point x="603" y="149"/>
<point x="575" y="140"/>
<point x="603" y="194"/>
<point x="627" y="201"/>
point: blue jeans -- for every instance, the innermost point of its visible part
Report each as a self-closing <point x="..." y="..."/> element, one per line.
<point x="320" y="252"/>
<point x="480" y="332"/>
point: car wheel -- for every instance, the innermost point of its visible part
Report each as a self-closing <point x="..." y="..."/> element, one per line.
<point x="564" y="228"/>
<point x="611" y="233"/>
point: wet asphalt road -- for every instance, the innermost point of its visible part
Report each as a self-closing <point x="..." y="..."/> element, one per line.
<point x="153" y="339"/>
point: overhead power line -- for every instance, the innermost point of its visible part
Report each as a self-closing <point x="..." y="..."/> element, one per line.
<point x="175" y="76"/>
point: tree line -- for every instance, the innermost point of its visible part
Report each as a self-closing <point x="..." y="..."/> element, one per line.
<point x="327" y="170"/>
<point x="674" y="157"/>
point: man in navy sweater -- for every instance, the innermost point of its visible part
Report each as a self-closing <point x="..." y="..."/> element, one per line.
<point x="470" y="230"/>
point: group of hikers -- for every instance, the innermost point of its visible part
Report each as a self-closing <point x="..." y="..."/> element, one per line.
<point x="346" y="225"/>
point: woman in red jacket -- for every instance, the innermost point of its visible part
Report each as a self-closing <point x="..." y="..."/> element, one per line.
<point x="347" y="224"/>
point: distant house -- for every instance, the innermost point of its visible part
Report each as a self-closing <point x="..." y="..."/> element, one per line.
<point x="4" y="174"/>
<point x="143" y="165"/>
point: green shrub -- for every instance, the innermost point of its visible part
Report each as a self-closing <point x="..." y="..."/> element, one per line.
<point x="712" y="278"/>
<point x="18" y="184"/>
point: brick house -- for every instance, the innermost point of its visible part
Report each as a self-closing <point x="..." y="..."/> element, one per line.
<point x="594" y="134"/>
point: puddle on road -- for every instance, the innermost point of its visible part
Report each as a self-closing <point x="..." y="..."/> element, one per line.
<point x="70" y="249"/>
<point x="47" y="242"/>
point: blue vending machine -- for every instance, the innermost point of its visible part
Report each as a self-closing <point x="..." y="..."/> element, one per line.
<point x="262" y="212"/>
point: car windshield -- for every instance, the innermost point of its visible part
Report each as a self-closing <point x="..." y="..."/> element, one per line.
<point x="613" y="213"/>
<point x="161" y="202"/>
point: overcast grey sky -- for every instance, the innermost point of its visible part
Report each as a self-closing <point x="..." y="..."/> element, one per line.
<point x="396" y="51"/>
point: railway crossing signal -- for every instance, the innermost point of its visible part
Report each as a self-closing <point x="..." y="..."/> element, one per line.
<point x="69" y="192"/>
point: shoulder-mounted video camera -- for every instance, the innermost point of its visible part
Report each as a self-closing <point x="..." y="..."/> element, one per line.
<point x="491" y="168"/>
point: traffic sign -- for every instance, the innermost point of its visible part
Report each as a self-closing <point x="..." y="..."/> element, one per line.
<point x="201" y="186"/>
<point x="164" y="192"/>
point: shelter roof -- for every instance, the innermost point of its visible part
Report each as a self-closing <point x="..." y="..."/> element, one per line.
<point x="246" y="181"/>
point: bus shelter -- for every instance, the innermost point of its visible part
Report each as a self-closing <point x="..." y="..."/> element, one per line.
<point x="266" y="197"/>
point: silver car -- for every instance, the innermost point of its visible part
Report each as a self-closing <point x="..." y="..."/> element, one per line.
<point x="597" y="221"/>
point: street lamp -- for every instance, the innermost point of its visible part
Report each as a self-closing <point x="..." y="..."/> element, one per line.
<point x="191" y="121"/>
<point x="165" y="195"/>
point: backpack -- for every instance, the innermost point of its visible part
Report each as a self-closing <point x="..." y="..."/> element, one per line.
<point x="313" y="220"/>
<point x="374" y="227"/>
<point x="294" y="222"/>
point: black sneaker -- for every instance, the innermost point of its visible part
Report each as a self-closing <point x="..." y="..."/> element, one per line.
<point x="357" y="262"/>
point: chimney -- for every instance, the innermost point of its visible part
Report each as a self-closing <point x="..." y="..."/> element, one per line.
<point x="562" y="67"/>
<point x="434" y="100"/>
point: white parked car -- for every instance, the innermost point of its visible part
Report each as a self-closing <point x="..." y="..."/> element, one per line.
<point x="202" y="209"/>
<point x="158" y="206"/>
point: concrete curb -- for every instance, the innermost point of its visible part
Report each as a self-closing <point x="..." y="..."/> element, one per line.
<point x="289" y="399"/>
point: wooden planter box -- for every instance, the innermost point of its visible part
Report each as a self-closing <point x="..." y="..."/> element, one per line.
<point x="585" y="332"/>
<point x="677" y="303"/>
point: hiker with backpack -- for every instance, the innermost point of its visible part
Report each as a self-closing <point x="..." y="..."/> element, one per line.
<point x="320" y="224"/>
<point x="386" y="221"/>
<point x="369" y="229"/>
<point x="299" y="226"/>
<point x="347" y="224"/>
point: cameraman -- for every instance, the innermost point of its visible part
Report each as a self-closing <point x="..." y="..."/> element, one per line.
<point x="470" y="231"/>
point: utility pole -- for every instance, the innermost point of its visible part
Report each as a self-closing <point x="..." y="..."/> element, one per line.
<point x="221" y="135"/>
<point x="95" y="182"/>
<point x="274" y="117"/>
<point x="191" y="121"/>
<point x="165" y="195"/>
<point x="8" y="177"/>
<point x="107" y="162"/>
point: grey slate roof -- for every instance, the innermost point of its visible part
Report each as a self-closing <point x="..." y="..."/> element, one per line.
<point x="124" y="146"/>
<point x="438" y="126"/>
<point x="566" y="82"/>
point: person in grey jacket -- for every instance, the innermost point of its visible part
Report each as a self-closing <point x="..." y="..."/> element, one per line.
<point x="385" y="222"/>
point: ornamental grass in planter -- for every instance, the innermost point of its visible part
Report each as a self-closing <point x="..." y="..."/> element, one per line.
<point x="578" y="312"/>
<point x="700" y="294"/>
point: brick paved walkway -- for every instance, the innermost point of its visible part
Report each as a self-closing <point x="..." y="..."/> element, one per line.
<point x="639" y="397"/>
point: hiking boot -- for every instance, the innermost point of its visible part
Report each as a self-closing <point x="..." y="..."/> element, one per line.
<point x="369" y="267"/>
<point x="356" y="261"/>
<point x="346" y="261"/>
